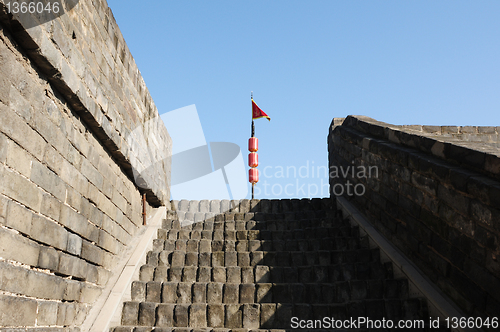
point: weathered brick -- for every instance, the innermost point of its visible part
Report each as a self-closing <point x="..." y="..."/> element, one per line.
<point x="47" y="313"/>
<point x="19" y="159"/>
<point x="19" y="218"/>
<point x="198" y="315"/>
<point x="41" y="285"/>
<point x="165" y="315"/>
<point x="18" y="248"/>
<point x="49" y="232"/>
<point x="181" y="315"/>
<point x="21" y="189"/>
<point x="51" y="207"/>
<point x="17" y="311"/>
<point x="130" y="314"/>
<point x="74" y="245"/>
<point x="16" y="128"/>
<point x="48" y="258"/>
<point x="89" y="293"/>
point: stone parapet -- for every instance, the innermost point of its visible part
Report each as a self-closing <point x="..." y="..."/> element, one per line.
<point x="437" y="201"/>
<point x="77" y="127"/>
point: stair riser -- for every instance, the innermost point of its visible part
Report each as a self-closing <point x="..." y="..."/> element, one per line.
<point x="267" y="315"/>
<point x="271" y="225"/>
<point x="245" y="205"/>
<point x="265" y="274"/>
<point x="233" y="293"/>
<point x="205" y="245"/>
<point x="245" y="259"/>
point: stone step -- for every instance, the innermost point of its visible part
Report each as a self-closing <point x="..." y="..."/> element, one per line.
<point x="255" y="216"/>
<point x="180" y="258"/>
<point x="263" y="315"/>
<point x="266" y="274"/>
<point x="245" y="205"/>
<point x="336" y="245"/>
<point x="233" y="235"/>
<point x="271" y="224"/>
<point x="232" y="293"/>
<point x="183" y="329"/>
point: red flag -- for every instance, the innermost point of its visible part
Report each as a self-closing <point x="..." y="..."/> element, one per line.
<point x="257" y="113"/>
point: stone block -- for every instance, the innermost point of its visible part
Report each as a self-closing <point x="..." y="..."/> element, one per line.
<point x="189" y="274"/>
<point x="169" y="292"/>
<point x="48" y="180"/>
<point x="92" y="253"/>
<point x="231" y="259"/>
<point x="48" y="259"/>
<point x="147" y="314"/>
<point x="219" y="274"/>
<point x="184" y="293"/>
<point x="233" y="274"/>
<point x="247" y="276"/>
<point x="89" y="293"/>
<point x="16" y="128"/>
<point x="218" y="259"/>
<point x="231" y="293"/>
<point x="251" y="315"/>
<point x="205" y="246"/>
<point x="4" y="145"/>
<point x="234" y="316"/>
<point x="198" y="315"/>
<point x="215" y="315"/>
<point x="19" y="218"/>
<point x="48" y="232"/>
<point x="47" y="313"/>
<point x="224" y="206"/>
<point x="215" y="206"/>
<point x="17" y="248"/>
<point x="44" y="286"/>
<point x="175" y="274"/>
<point x="264" y="293"/>
<point x="181" y="315"/>
<point x="194" y="206"/>
<point x="72" y="291"/>
<point x="247" y="293"/>
<point x="153" y="292"/>
<point x="13" y="279"/>
<point x="243" y="259"/>
<point x="74" y="245"/>
<point x="199" y="293"/>
<point x="17" y="311"/>
<point x="191" y="259"/>
<point x="204" y="274"/>
<point x="165" y="315"/>
<point x="51" y="207"/>
<point x="21" y="189"/>
<point x="214" y="293"/>
<point x="262" y="274"/>
<point x="130" y="313"/>
<point x="19" y="159"/>
<point x="178" y="258"/>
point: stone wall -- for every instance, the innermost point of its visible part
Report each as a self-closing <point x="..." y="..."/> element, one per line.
<point x="80" y="141"/>
<point x="434" y="192"/>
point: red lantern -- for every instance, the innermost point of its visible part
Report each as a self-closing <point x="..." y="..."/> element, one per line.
<point x="253" y="159"/>
<point x="253" y="175"/>
<point x="253" y="144"/>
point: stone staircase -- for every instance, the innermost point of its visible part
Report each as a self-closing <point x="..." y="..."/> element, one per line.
<point x="253" y="265"/>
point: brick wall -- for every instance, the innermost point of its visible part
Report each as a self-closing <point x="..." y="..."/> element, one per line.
<point x="435" y="195"/>
<point x="76" y="127"/>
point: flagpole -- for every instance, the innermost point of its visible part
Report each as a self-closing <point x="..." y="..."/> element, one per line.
<point x="253" y="135"/>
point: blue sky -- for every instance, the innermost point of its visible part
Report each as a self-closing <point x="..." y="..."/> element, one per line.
<point x="402" y="62"/>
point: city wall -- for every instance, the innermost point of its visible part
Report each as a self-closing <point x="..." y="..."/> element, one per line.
<point x="80" y="142"/>
<point x="432" y="191"/>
